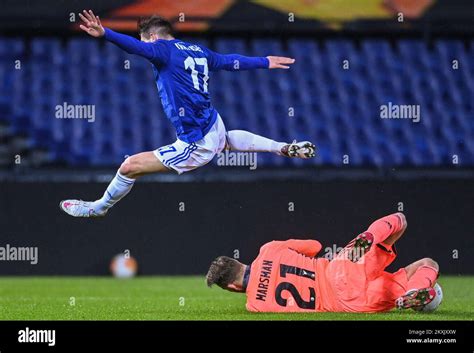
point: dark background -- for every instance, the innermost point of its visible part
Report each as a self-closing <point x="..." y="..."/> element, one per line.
<point x="222" y="217"/>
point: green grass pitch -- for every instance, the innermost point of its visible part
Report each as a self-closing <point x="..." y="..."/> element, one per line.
<point x="179" y="298"/>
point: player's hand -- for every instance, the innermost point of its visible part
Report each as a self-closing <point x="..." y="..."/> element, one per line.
<point x="279" y="62"/>
<point x="91" y="24"/>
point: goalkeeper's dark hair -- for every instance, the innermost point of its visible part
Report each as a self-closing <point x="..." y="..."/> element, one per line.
<point x="155" y="24"/>
<point x="223" y="271"/>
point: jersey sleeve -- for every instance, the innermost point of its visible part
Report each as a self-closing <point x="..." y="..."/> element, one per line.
<point x="234" y="62"/>
<point x="308" y="247"/>
<point x="157" y="52"/>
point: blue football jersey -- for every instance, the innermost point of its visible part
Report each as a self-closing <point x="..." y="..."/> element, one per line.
<point x="182" y="77"/>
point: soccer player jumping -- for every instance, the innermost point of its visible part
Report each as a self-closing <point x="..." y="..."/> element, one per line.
<point x="286" y="276"/>
<point x="182" y="77"/>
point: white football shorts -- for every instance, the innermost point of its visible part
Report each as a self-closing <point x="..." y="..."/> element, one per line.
<point x="184" y="157"/>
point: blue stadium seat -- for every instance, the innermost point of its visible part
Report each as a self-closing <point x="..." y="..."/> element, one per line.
<point x="11" y="48"/>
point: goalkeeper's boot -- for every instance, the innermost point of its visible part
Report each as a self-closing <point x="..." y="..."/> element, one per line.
<point x="416" y="298"/>
<point x="362" y="244"/>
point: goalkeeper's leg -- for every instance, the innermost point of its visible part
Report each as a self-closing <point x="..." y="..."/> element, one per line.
<point x="422" y="276"/>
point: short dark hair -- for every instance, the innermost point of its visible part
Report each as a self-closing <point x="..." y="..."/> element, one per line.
<point x="223" y="271"/>
<point x="146" y="24"/>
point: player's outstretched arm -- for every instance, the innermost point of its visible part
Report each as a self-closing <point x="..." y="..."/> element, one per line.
<point x="151" y="51"/>
<point x="236" y="62"/>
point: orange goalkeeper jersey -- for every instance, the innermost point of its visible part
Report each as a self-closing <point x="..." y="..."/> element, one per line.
<point x="285" y="277"/>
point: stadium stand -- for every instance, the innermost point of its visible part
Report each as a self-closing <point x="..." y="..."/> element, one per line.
<point x="337" y="107"/>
